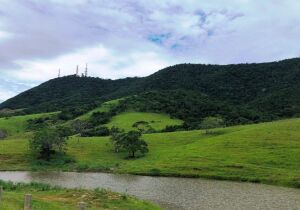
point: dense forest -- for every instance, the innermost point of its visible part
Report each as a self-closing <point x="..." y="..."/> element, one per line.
<point x="239" y="93"/>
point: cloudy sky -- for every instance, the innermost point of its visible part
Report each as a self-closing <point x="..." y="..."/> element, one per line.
<point x="121" y="38"/>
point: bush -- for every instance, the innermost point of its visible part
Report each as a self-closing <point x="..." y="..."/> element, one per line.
<point x="155" y="172"/>
<point x="211" y="122"/>
<point x="98" y="131"/>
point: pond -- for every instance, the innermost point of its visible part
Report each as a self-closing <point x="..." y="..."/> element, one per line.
<point x="173" y="193"/>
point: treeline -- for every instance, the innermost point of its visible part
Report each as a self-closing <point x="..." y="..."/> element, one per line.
<point x="191" y="107"/>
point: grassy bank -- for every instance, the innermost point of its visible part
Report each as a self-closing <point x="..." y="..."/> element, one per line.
<point x="267" y="152"/>
<point x="48" y="198"/>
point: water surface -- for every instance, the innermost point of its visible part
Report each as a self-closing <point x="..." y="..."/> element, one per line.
<point x="174" y="193"/>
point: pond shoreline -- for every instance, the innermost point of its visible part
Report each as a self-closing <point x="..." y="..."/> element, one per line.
<point x="170" y="192"/>
<point x="168" y="175"/>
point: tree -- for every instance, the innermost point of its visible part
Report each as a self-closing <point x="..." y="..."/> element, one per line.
<point x="131" y="142"/>
<point x="211" y="122"/>
<point x="46" y="142"/>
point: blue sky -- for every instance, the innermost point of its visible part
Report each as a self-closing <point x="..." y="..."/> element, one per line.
<point x="121" y="38"/>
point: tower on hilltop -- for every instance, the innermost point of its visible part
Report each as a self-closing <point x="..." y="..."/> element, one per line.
<point x="77" y="71"/>
<point x="86" y="70"/>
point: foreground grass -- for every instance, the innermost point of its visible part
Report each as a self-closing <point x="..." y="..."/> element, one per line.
<point x="267" y="153"/>
<point x="47" y="198"/>
<point x="156" y="121"/>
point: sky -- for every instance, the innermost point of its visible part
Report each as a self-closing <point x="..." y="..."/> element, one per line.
<point x="126" y="38"/>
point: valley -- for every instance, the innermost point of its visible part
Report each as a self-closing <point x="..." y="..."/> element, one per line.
<point x="128" y="127"/>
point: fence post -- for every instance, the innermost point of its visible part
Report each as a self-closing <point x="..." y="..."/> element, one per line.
<point x="1" y="193"/>
<point x="82" y="206"/>
<point x="27" y="202"/>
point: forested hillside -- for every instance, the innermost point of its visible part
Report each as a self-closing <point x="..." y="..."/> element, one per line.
<point x="240" y="93"/>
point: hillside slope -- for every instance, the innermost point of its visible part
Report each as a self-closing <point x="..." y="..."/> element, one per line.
<point x="271" y="88"/>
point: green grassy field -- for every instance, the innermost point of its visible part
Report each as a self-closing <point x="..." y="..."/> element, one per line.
<point x="156" y="121"/>
<point x="47" y="198"/>
<point x="16" y="126"/>
<point x="267" y="152"/>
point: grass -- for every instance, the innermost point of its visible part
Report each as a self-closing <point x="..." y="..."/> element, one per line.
<point x="48" y="198"/>
<point x="156" y="121"/>
<point x="17" y="125"/>
<point x="266" y="152"/>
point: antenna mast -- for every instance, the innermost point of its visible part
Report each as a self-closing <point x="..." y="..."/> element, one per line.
<point x="58" y="73"/>
<point x="77" y="71"/>
<point x="86" y="70"/>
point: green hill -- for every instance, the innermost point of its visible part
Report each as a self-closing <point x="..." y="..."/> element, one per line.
<point x="249" y="92"/>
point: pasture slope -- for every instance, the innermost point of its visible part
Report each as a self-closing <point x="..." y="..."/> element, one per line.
<point x="155" y="121"/>
<point x="266" y="152"/>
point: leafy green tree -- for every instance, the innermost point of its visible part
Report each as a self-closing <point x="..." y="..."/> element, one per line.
<point x="47" y="142"/>
<point x="211" y="122"/>
<point x="131" y="142"/>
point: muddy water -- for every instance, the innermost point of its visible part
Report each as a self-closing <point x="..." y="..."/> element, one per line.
<point x="174" y="193"/>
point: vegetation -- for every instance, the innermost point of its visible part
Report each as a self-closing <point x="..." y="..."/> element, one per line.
<point x="47" y="142"/>
<point x="97" y="131"/>
<point x="49" y="198"/>
<point x="105" y="107"/>
<point x="267" y="153"/>
<point x="211" y="122"/>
